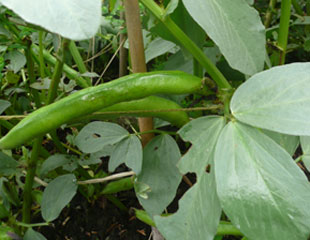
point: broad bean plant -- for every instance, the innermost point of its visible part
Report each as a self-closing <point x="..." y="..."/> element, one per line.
<point x="241" y="154"/>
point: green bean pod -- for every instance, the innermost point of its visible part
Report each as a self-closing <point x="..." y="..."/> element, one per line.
<point x="92" y="99"/>
<point x="151" y="103"/>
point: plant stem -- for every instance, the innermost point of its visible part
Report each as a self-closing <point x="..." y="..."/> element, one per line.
<point x="226" y="228"/>
<point x="188" y="44"/>
<point x="78" y="60"/>
<point x="136" y="46"/>
<point x="32" y="162"/>
<point x="41" y="57"/>
<point x="284" y="29"/>
<point x="123" y="52"/>
<point x="271" y="9"/>
<point x="57" y="74"/>
<point x="198" y="70"/>
<point x="31" y="74"/>
<point x="71" y="73"/>
<point x="31" y="169"/>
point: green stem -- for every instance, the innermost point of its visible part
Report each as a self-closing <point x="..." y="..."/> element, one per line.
<point x="284" y="29"/>
<point x="78" y="59"/>
<point x="41" y="57"/>
<point x="188" y="44"/>
<point x="31" y="74"/>
<point x="71" y="73"/>
<point x="226" y="228"/>
<point x="198" y="69"/>
<point x="31" y="169"/>
<point x="271" y="9"/>
<point x="52" y="92"/>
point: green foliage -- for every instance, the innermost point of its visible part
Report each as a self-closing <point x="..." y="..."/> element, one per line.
<point x="159" y="173"/>
<point x="57" y="195"/>
<point x="276" y="100"/>
<point x="258" y="182"/>
<point x="72" y="19"/>
<point x="239" y="153"/>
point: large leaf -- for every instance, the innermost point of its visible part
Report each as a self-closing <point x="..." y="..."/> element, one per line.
<point x="57" y="195"/>
<point x="73" y="19"/>
<point x="236" y="28"/>
<point x="202" y="133"/>
<point x="305" y="145"/>
<point x="128" y="151"/>
<point x="276" y="99"/>
<point x="96" y="135"/>
<point x="260" y="187"/>
<point x="198" y="215"/>
<point x="160" y="173"/>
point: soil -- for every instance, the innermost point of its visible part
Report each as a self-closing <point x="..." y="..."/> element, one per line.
<point x="100" y="220"/>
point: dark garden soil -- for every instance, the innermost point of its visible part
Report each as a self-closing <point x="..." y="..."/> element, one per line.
<point x="100" y="220"/>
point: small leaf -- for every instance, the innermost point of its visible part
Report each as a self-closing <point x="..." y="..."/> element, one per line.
<point x="128" y="151"/>
<point x="172" y="5"/>
<point x="33" y="235"/>
<point x="198" y="215"/>
<point x="235" y="27"/>
<point x="53" y="162"/>
<point x="261" y="189"/>
<point x="160" y="173"/>
<point x="276" y="99"/>
<point x="57" y="195"/>
<point x="40" y="85"/>
<point x="203" y="134"/>
<point x="159" y="47"/>
<point x="96" y="135"/>
<point x="17" y="60"/>
<point x="8" y="165"/>
<point x="73" y="19"/>
<point x="4" y="105"/>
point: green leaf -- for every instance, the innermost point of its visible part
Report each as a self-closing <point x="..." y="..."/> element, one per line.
<point x="305" y="146"/>
<point x="33" y="235"/>
<point x="8" y="165"/>
<point x="4" y="105"/>
<point x="72" y="19"/>
<point x="17" y="60"/>
<point x="96" y="135"/>
<point x="53" y="162"/>
<point x="276" y="99"/>
<point x="159" y="47"/>
<point x="261" y="189"/>
<point x="57" y="195"/>
<point x="128" y="151"/>
<point x="198" y="215"/>
<point x="172" y="5"/>
<point x="202" y="133"/>
<point x="160" y="173"/>
<point x="288" y="142"/>
<point x="236" y="28"/>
